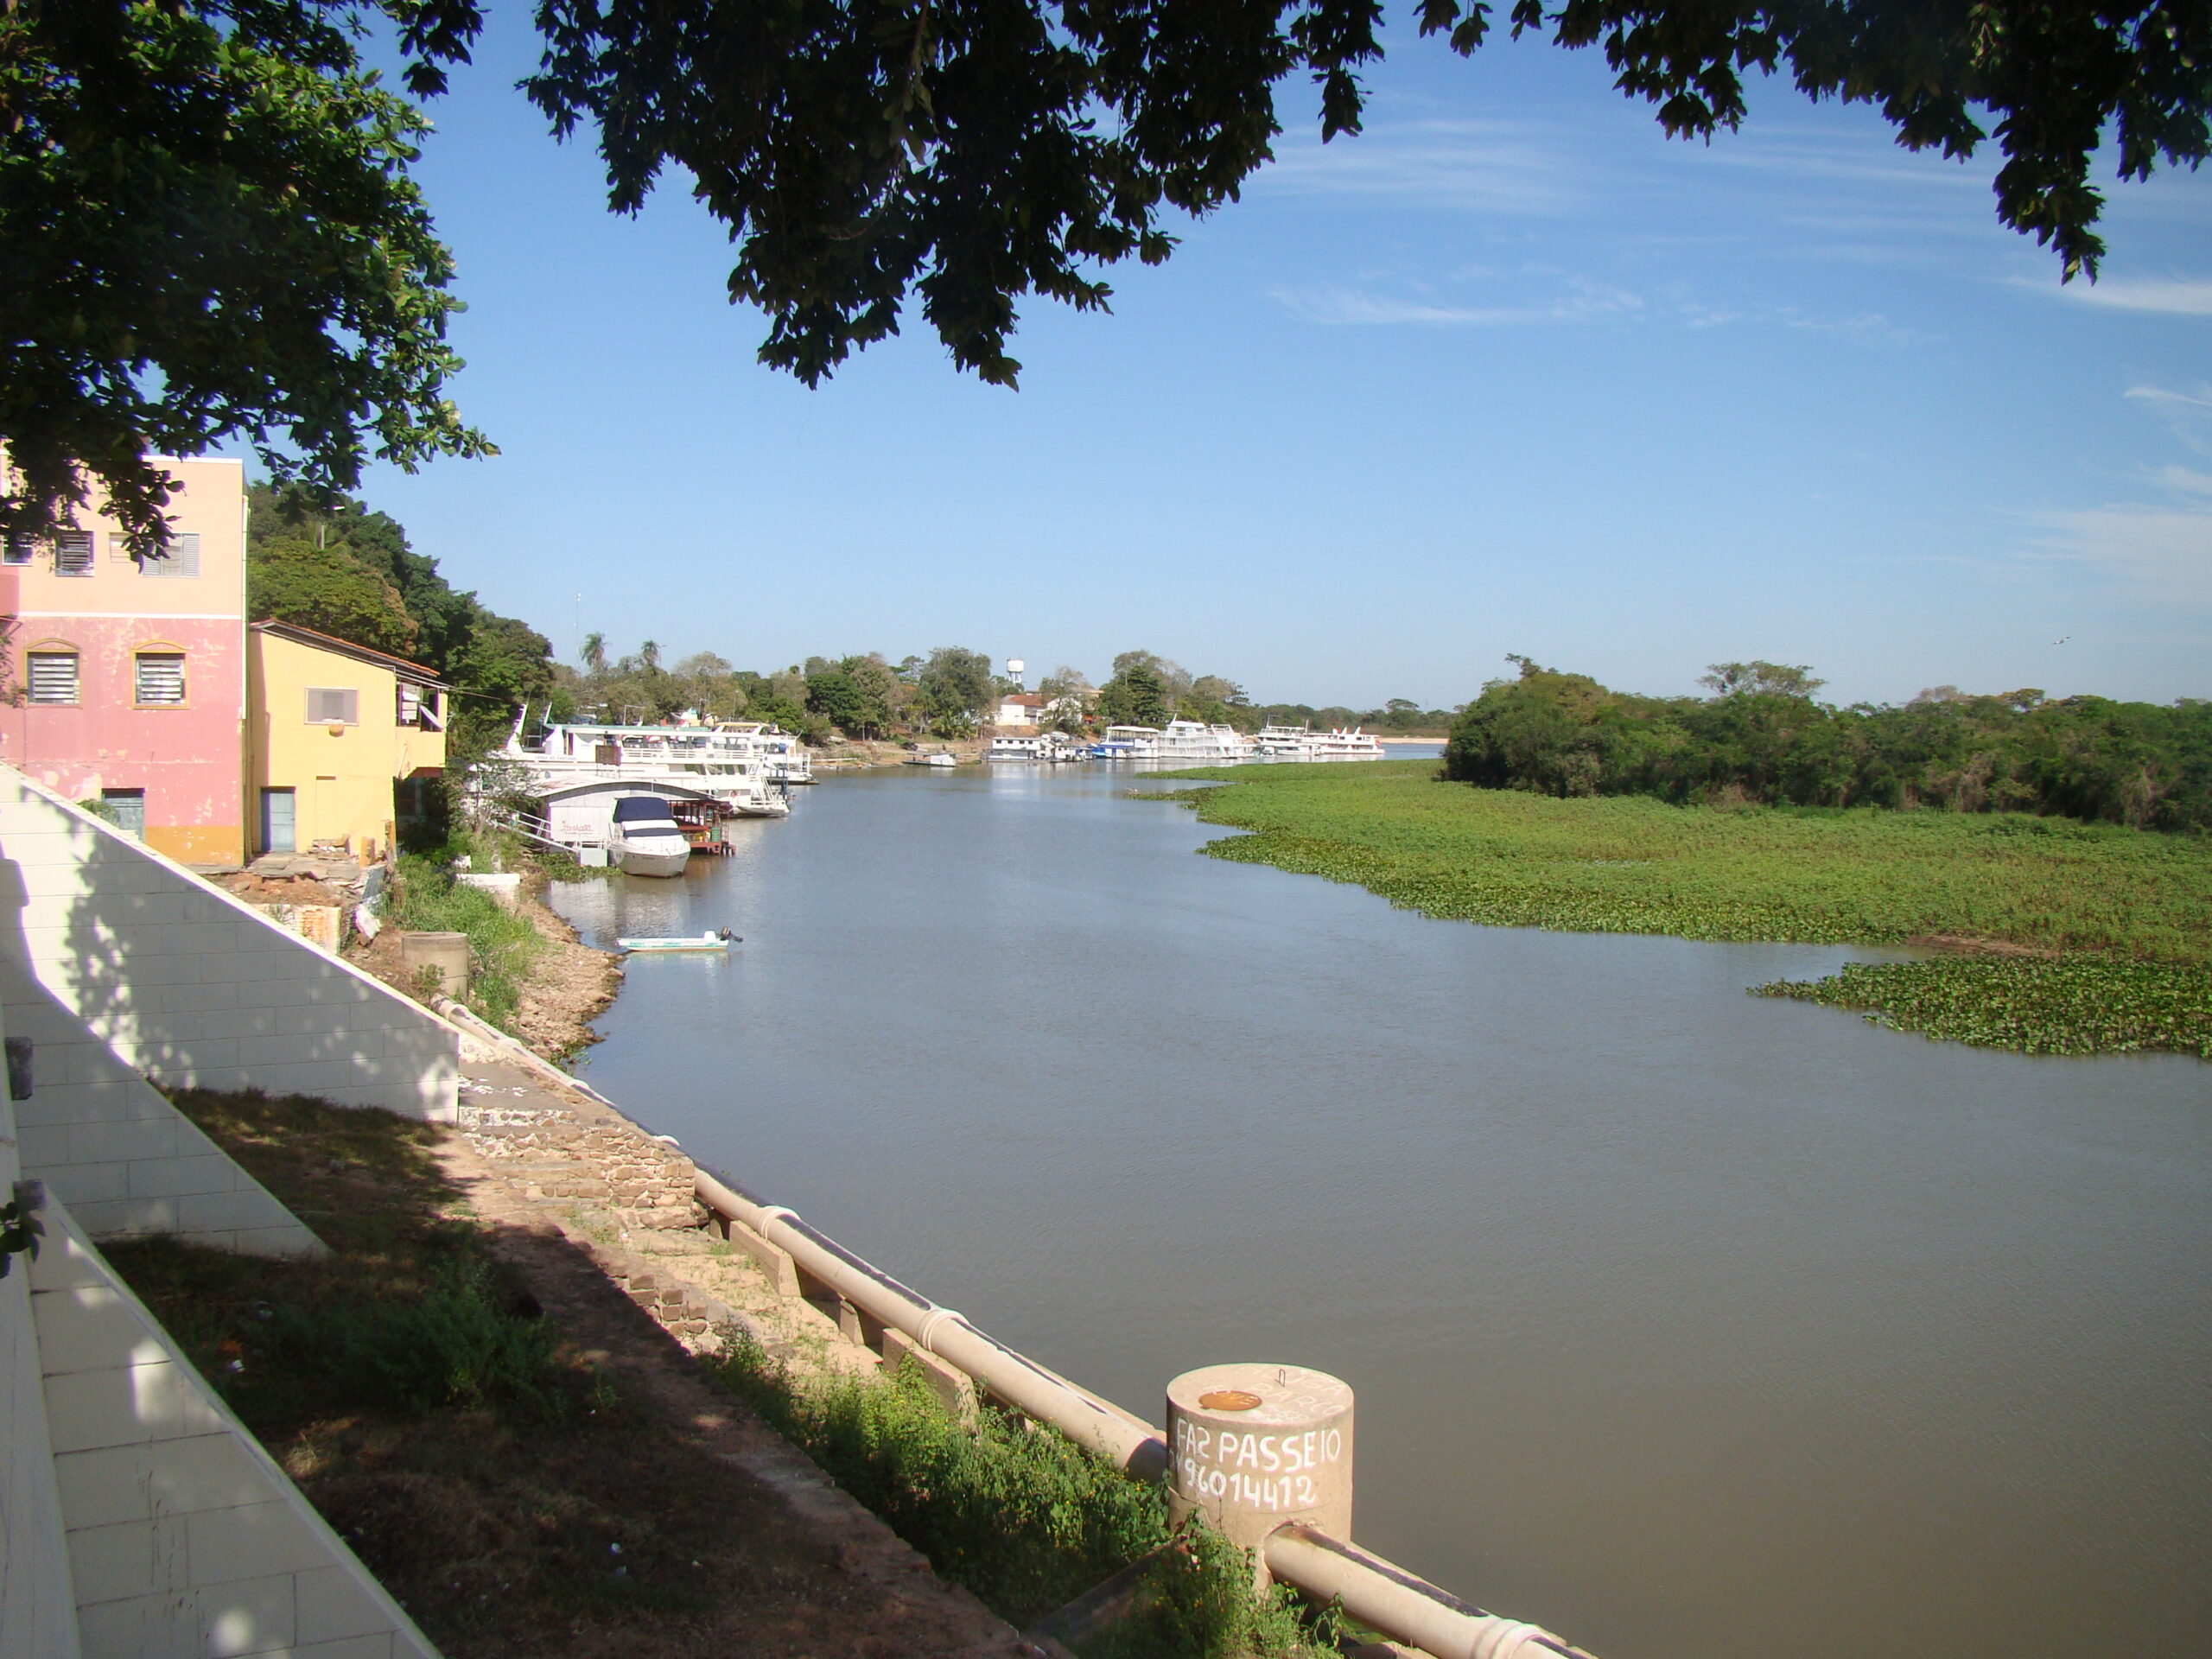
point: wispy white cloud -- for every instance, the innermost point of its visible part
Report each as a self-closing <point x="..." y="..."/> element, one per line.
<point x="1481" y="298"/>
<point x="2163" y="552"/>
<point x="2187" y="416"/>
<point x="2171" y="296"/>
<point x="2163" y="549"/>
<point x="1576" y="301"/>
<point x="1497" y="167"/>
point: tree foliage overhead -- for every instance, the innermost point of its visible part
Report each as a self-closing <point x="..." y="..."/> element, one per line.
<point x="1761" y="737"/>
<point x="209" y="232"/>
<point x="974" y="151"/>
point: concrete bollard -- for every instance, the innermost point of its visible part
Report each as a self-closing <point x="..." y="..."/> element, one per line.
<point x="447" y="953"/>
<point x="1255" y="1447"/>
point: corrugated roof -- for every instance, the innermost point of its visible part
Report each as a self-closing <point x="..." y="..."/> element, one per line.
<point x="413" y="673"/>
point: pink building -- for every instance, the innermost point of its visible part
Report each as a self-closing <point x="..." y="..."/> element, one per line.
<point x="129" y="675"/>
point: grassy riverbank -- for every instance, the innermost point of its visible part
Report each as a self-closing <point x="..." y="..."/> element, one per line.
<point x="2058" y="936"/>
<point x="1024" y="1517"/>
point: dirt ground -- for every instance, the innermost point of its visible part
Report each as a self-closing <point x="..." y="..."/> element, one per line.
<point x="284" y="890"/>
<point x="662" y="1518"/>
<point x="569" y="985"/>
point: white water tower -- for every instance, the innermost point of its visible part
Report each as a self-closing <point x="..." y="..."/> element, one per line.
<point x="1013" y="667"/>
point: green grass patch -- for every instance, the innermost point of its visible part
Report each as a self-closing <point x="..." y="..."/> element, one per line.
<point x="2072" y="1005"/>
<point x="502" y="945"/>
<point x="408" y="1315"/>
<point x="1019" y="1514"/>
<point x="2136" y="904"/>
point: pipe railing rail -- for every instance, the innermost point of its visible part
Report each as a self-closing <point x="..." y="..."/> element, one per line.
<point x="1402" y="1605"/>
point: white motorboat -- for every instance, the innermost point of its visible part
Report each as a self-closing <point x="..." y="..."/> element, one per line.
<point x="937" y="758"/>
<point x="647" y="840"/>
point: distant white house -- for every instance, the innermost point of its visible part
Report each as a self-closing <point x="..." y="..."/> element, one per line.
<point x="1021" y="710"/>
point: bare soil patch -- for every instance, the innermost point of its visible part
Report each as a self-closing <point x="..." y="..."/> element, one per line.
<point x="625" y="1503"/>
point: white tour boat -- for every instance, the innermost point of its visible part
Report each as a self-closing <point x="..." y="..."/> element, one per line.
<point x="737" y="763"/>
<point x="1126" y="743"/>
<point x="646" y="840"/>
<point x="1194" y="743"/>
<point x="1015" y="748"/>
<point x="1303" y="743"/>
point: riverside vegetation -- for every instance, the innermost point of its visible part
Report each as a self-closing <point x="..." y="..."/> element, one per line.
<point x="1024" y="1517"/>
<point x="2058" y="936"/>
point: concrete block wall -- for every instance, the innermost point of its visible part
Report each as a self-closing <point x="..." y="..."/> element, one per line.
<point x="187" y="984"/>
<point x="112" y="1148"/>
<point x="184" y="1539"/>
<point x="37" y="1607"/>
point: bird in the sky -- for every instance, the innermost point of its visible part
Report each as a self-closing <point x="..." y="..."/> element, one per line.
<point x="2061" y="642"/>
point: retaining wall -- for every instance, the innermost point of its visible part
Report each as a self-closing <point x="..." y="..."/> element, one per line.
<point x="184" y="1539"/>
<point x="190" y="985"/>
<point x="37" y="1609"/>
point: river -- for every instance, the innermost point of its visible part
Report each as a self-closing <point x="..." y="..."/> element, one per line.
<point x="1690" y="1325"/>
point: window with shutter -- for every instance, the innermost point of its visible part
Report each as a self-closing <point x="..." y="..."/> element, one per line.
<point x="334" y="706"/>
<point x="160" y="677"/>
<point x="410" y="704"/>
<point x="52" y="675"/>
<point x="180" y="558"/>
<point x="73" y="553"/>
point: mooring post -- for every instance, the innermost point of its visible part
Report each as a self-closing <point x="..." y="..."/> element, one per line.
<point x="1256" y="1447"/>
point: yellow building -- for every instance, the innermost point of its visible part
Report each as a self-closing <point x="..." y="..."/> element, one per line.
<point x="342" y="741"/>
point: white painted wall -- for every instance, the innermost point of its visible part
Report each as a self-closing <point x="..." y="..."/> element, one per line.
<point x="185" y="1540"/>
<point x="186" y="984"/>
<point x="113" y="1148"/>
<point x="37" y="1609"/>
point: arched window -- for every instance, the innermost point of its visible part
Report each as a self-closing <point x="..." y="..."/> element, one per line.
<point x="51" y="672"/>
<point x="158" y="676"/>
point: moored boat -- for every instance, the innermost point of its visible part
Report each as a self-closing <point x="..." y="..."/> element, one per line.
<point x="717" y="941"/>
<point x="1194" y="743"/>
<point x="1126" y="743"/>
<point x="1303" y="743"/>
<point x="647" y="840"/>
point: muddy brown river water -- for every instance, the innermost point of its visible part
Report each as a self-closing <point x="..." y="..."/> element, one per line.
<point x="1689" y="1324"/>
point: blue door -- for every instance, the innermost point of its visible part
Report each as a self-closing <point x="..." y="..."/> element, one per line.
<point x="276" y="820"/>
<point x="128" y="808"/>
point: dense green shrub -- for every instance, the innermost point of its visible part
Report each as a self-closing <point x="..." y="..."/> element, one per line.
<point x="501" y="943"/>
<point x="1763" y="737"/>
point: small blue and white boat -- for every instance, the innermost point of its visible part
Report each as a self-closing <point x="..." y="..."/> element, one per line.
<point x="720" y="940"/>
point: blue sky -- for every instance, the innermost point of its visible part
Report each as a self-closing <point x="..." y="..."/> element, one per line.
<point x="1510" y="373"/>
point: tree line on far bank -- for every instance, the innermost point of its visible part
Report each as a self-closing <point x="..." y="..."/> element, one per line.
<point x="347" y="571"/>
<point x="1762" y="736"/>
<point x="952" y="692"/>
